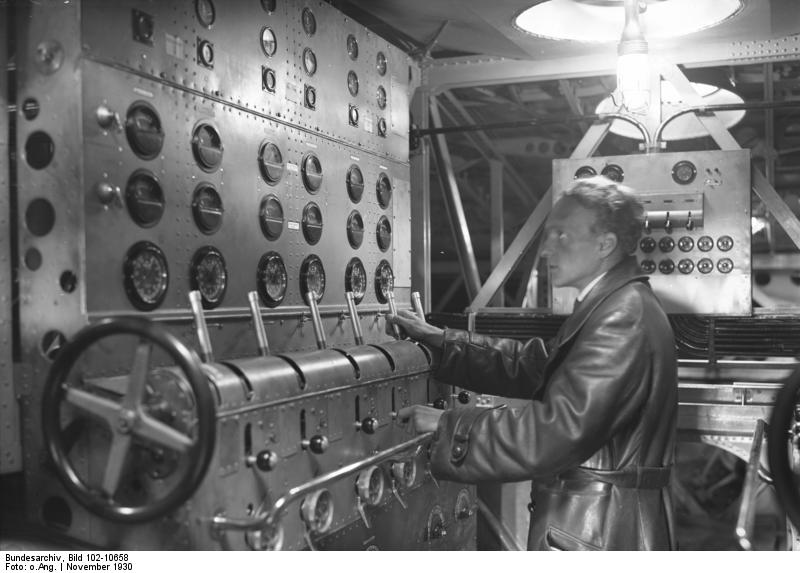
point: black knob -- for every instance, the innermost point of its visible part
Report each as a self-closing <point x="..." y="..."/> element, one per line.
<point x="318" y="444"/>
<point x="369" y="425"/>
<point x="440" y="403"/>
<point x="266" y="460"/>
<point x="464" y="397"/>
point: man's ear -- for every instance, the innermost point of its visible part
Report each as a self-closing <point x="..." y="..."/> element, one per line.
<point x="608" y="244"/>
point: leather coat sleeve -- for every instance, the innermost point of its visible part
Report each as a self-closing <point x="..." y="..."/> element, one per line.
<point x="497" y="366"/>
<point x="599" y="387"/>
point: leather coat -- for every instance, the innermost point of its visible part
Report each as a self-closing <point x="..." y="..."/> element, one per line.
<point x="597" y="437"/>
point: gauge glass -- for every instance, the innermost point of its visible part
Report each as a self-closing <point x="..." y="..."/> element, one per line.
<point x="352" y="47"/>
<point x="143" y="130"/>
<point x="352" y="83"/>
<point x="271" y="279"/>
<point x="309" y="22"/>
<point x="380" y="63"/>
<point x="270" y="217"/>
<point x="209" y="276"/>
<point x="384" y="234"/>
<point x="207" y="147"/>
<point x="584" y="172"/>
<point x="312" y="278"/>
<point x="312" y="223"/>
<point x="384" y="281"/>
<point x="309" y="61"/>
<point x="383" y="189"/>
<point x="269" y="44"/>
<point x="381" y="97"/>
<point x="613" y="172"/>
<point x="146" y="275"/>
<point x="268" y="79"/>
<point x="355" y="229"/>
<point x="270" y="162"/>
<point x="205" y="52"/>
<point x="207" y="208"/>
<point x="355" y="279"/>
<point x="144" y="198"/>
<point x="312" y="173"/>
<point x="355" y="183"/>
<point x="684" y="172"/>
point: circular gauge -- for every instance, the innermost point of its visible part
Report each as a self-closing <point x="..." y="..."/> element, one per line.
<point x="270" y="217"/>
<point x="355" y="229"/>
<point x="309" y="22"/>
<point x="312" y="278"/>
<point x="352" y="83"/>
<point x="381" y="97"/>
<point x="355" y="279"/>
<point x="353" y="115"/>
<point x="384" y="281"/>
<point x="705" y="243"/>
<point x="684" y="172"/>
<point x="370" y="486"/>
<point x="685" y="244"/>
<point x="355" y="183"/>
<point x="207" y="147"/>
<point x="316" y="510"/>
<point x="384" y="234"/>
<point x="585" y="171"/>
<point x="146" y="276"/>
<point x="647" y="244"/>
<point x="648" y="266"/>
<point x="268" y="79"/>
<point x="312" y="173"/>
<point x="143" y="130"/>
<point x="666" y="266"/>
<point x="312" y="223"/>
<point x="209" y="276"/>
<point x="685" y="266"/>
<point x="380" y="63"/>
<point x="382" y="127"/>
<point x="310" y="97"/>
<point x="725" y="243"/>
<point x="270" y="162"/>
<point x="269" y="44"/>
<point x="352" y="47"/>
<point x="383" y="189"/>
<point x="269" y="5"/>
<point x="405" y="473"/>
<point x="666" y="244"/>
<point x="725" y="265"/>
<point x="205" y="53"/>
<point x="705" y="266"/>
<point x="271" y="279"/>
<point x="144" y="198"/>
<point x="464" y="507"/>
<point x="613" y="172"/>
<point x="207" y="208"/>
<point x="309" y="61"/>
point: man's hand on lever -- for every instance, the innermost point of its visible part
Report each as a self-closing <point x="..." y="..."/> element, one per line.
<point x="416" y="328"/>
<point x="421" y="418"/>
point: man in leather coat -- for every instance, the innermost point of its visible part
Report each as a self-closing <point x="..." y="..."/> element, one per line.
<point x="597" y="437"/>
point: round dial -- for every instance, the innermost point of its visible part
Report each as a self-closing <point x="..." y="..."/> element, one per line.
<point x="271" y="279"/>
<point x="384" y="233"/>
<point x="312" y="277"/>
<point x="209" y="276"/>
<point x="613" y="172"/>
<point x="705" y="266"/>
<point x="312" y="223"/>
<point x="355" y="183"/>
<point x="666" y="266"/>
<point x="585" y="171"/>
<point x="270" y="217"/>
<point x="685" y="266"/>
<point x="647" y="244"/>
<point x="310" y="97"/>
<point x="146" y="276"/>
<point x="309" y="22"/>
<point x="207" y="147"/>
<point x="725" y="243"/>
<point x="270" y="162"/>
<point x="312" y="173"/>
<point x="268" y="79"/>
<point x="317" y="510"/>
<point x="380" y="63"/>
<point x="705" y="243"/>
<point x="269" y="44"/>
<point x="666" y="244"/>
<point x="685" y="244"/>
<point x="684" y="172"/>
<point x="355" y="279"/>
<point x="725" y="265"/>
<point x="144" y="198"/>
<point x="384" y="190"/>
<point x="381" y="97"/>
<point x="352" y="47"/>
<point x="309" y="61"/>
<point x="355" y="229"/>
<point x="352" y="83"/>
<point x="205" y="12"/>
<point x="205" y="53"/>
<point x="143" y="130"/>
<point x="404" y="473"/>
<point x="370" y="486"/>
<point x="648" y="266"/>
<point x="207" y="208"/>
<point x="384" y="281"/>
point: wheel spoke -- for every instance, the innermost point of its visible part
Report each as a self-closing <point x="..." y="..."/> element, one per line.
<point x="137" y="381"/>
<point x="162" y="434"/>
<point x="120" y="444"/>
<point x="103" y="408"/>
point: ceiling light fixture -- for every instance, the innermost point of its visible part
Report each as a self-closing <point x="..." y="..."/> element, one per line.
<point x="633" y="70"/>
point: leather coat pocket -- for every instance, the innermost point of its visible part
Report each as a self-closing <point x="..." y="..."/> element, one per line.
<point x="558" y="540"/>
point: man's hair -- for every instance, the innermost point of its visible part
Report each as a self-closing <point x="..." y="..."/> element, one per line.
<point x="616" y="208"/>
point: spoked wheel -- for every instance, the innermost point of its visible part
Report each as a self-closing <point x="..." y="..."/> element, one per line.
<point x="783" y="447"/>
<point x="161" y="423"/>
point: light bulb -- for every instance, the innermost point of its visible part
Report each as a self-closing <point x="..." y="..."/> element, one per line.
<point x="633" y="70"/>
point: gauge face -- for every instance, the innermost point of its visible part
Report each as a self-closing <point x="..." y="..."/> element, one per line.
<point x="317" y="511"/>
<point x="269" y="44"/>
<point x="380" y="63"/>
<point x="144" y="198"/>
<point x="312" y="278"/>
<point x="684" y="172"/>
<point x="205" y="53"/>
<point x="384" y="234"/>
<point x="613" y="172"/>
<point x="584" y="172"/>
<point x="355" y="279"/>
<point x="270" y="217"/>
<point x="312" y="173"/>
<point x="207" y="147"/>
<point x="383" y="189"/>
<point x="370" y="485"/>
<point x="146" y="276"/>
<point x="271" y="279"/>
<point x="381" y="97"/>
<point x="207" y="208"/>
<point x="268" y="79"/>
<point x="384" y="281"/>
<point x="143" y="130"/>
<point x="270" y="162"/>
<point x="355" y="229"/>
<point x="309" y="22"/>
<point x="705" y="243"/>
<point x="355" y="183"/>
<point x="312" y="223"/>
<point x="352" y="83"/>
<point x="309" y="61"/>
<point x="209" y="276"/>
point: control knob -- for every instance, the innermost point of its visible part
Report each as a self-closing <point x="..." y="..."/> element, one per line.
<point x="464" y="397"/>
<point x="317" y="444"/>
<point x="369" y="425"/>
<point x="265" y="460"/>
